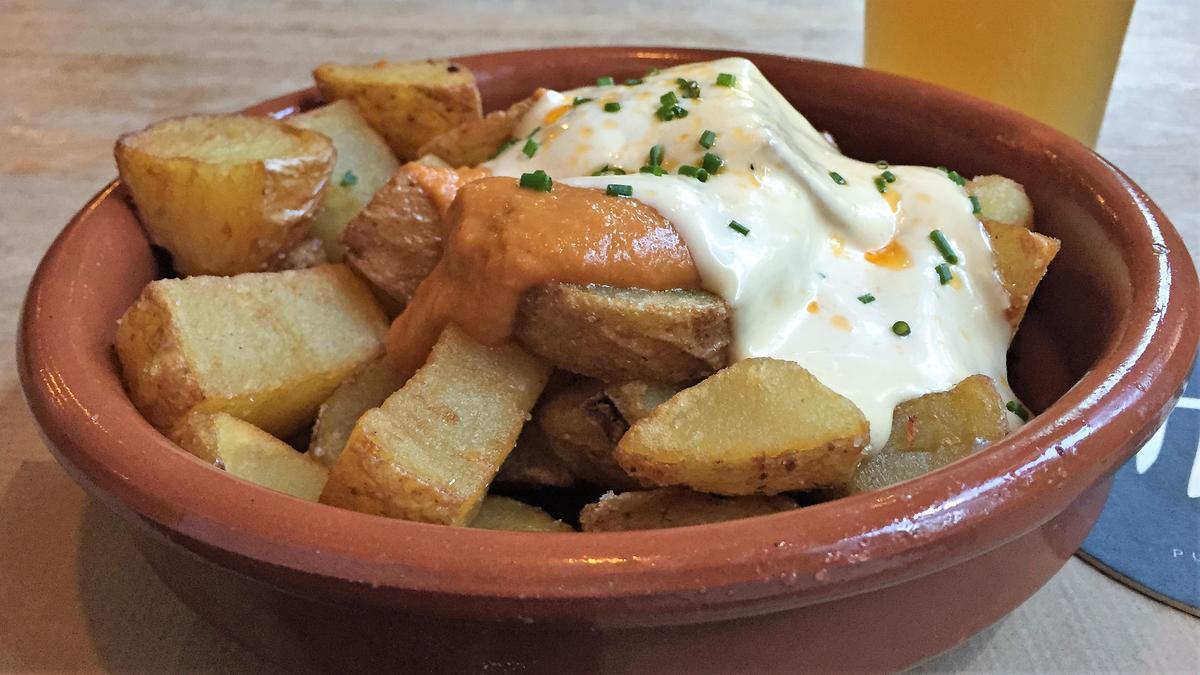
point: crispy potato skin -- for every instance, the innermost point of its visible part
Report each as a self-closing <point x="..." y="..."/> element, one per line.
<point x="475" y="141"/>
<point x="1022" y="258"/>
<point x="245" y="451"/>
<point x="407" y="103"/>
<point x="431" y="450"/>
<point x="533" y="463"/>
<point x="760" y="426"/>
<point x="622" y="334"/>
<point x="502" y="513"/>
<point x="582" y="428"/>
<point x="673" y="507"/>
<point x="364" y="164"/>
<point x="267" y="348"/>
<point x="225" y="194"/>
<point x="368" y="387"/>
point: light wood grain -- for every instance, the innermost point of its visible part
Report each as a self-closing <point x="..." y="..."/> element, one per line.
<point x="74" y="595"/>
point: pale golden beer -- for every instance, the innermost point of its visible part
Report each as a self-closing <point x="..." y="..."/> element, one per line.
<point x="1051" y="59"/>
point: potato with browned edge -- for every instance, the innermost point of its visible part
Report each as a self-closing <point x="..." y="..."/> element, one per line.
<point x="582" y="427"/>
<point x="476" y="141"/>
<point x="268" y="347"/>
<point x="622" y="334"/>
<point x="225" y="194"/>
<point x="533" y="463"/>
<point x="433" y="447"/>
<point x="760" y="426"/>
<point x="673" y="507"/>
<point x="408" y="103"/>
<point x="245" y="451"/>
<point x="503" y="513"/>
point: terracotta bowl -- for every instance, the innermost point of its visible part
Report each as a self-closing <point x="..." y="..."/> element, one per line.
<point x="873" y="582"/>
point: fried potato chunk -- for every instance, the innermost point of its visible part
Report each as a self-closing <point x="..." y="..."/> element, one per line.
<point x="760" y="426"/>
<point x="408" y="103"/>
<point x="364" y="164"/>
<point x="934" y="430"/>
<point x="474" y="142"/>
<point x="245" y="451"/>
<point x="533" y="463"/>
<point x="1022" y="258"/>
<point x="673" y="507"/>
<point x="637" y="399"/>
<point x="582" y="427"/>
<point x="502" y="513"/>
<point x="308" y="253"/>
<point x="1002" y="200"/>
<point x="366" y="388"/>
<point x="430" y="451"/>
<point x="225" y="194"/>
<point x="268" y="347"/>
<point x="622" y="334"/>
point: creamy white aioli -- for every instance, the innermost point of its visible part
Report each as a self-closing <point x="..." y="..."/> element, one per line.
<point x="794" y="281"/>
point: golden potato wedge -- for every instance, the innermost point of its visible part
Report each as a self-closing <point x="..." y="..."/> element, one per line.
<point x="622" y="334"/>
<point x="582" y="427"/>
<point x="533" y="463"/>
<point x="1022" y="257"/>
<point x="268" y="347"/>
<point x="1002" y="200"/>
<point x="888" y="466"/>
<point x="225" y="194"/>
<point x="430" y="451"/>
<point x="474" y="142"/>
<point x="408" y="103"/>
<point x="308" y="253"/>
<point x="366" y="388"/>
<point x="673" y="507"/>
<point x="250" y="453"/>
<point x="364" y="164"/>
<point x="502" y="513"/>
<point x="760" y="426"/>
<point x="636" y="399"/>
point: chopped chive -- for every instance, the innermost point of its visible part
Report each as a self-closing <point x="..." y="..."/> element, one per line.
<point x="679" y="111"/>
<point x="665" y="114"/>
<point x="1017" y="409"/>
<point x="880" y="184"/>
<point x="975" y="207"/>
<point x="707" y="139"/>
<point x="881" y="164"/>
<point x="943" y="246"/>
<point x="503" y="146"/>
<point x="535" y="130"/>
<point x="619" y="190"/>
<point x="656" y="155"/>
<point x="957" y="179"/>
<point x="690" y="88"/>
<point x="866" y="298"/>
<point x="605" y="81"/>
<point x="531" y="148"/>
<point x="580" y="100"/>
<point x="609" y="170"/>
<point x="901" y="328"/>
<point x="726" y="80"/>
<point x="696" y="172"/>
<point x="888" y="176"/>
<point x="739" y="228"/>
<point x="348" y="179"/>
<point x="712" y="163"/>
<point x="612" y="106"/>
<point x="669" y="99"/>
<point x="652" y="168"/>
<point x="538" y="180"/>
<point x="837" y="178"/>
<point x="943" y="273"/>
<point x="633" y="81"/>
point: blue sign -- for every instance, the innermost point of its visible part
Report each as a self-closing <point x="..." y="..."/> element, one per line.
<point x="1149" y="532"/>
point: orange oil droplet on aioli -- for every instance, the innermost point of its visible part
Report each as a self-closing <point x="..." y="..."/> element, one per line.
<point x="893" y="199"/>
<point x="893" y="256"/>
<point x="556" y="114"/>
<point x="840" y="322"/>
<point x="813" y="307"/>
<point x="956" y="282"/>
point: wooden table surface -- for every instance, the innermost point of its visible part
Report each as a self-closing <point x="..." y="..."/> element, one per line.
<point x="75" y="595"/>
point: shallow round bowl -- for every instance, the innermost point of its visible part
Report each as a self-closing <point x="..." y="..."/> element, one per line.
<point x="872" y="582"/>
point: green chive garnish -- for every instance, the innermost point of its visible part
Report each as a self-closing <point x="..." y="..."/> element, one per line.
<point x="535" y="130"/>
<point x="605" y="81"/>
<point x="612" y="106"/>
<point x="837" y="178"/>
<point x="580" y="100"/>
<point x="348" y="179"/>
<point x="538" y="180"/>
<point x="1017" y="409"/>
<point x="652" y="168"/>
<point x="633" y="82"/>
<point x="975" y="207"/>
<point x="696" y="172"/>
<point x="943" y="273"/>
<point x="669" y="99"/>
<point x="726" y="80"/>
<point x="503" y="146"/>
<point x="690" y="88"/>
<point x="888" y="176"/>
<point x="656" y="155"/>
<point x="707" y="139"/>
<point x="943" y="246"/>
<point x="712" y="163"/>
<point x="881" y="164"/>
<point x="866" y="298"/>
<point x="679" y="111"/>
<point x="609" y="170"/>
<point x="880" y="184"/>
<point x="739" y="228"/>
<point x="958" y="180"/>
<point x="901" y="328"/>
<point x="530" y="149"/>
<point x="619" y="190"/>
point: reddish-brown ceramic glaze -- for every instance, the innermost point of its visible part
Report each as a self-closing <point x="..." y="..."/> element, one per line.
<point x="872" y="582"/>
